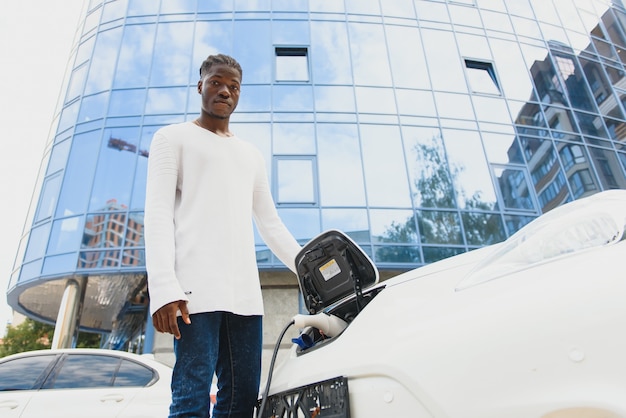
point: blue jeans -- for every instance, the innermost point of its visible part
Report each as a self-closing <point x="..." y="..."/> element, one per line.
<point x="223" y="343"/>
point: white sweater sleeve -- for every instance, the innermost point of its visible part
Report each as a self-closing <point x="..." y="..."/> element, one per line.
<point x="159" y="233"/>
<point x="270" y="226"/>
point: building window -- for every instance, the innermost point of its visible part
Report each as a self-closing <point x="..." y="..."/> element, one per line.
<point x="482" y="77"/>
<point x="295" y="180"/>
<point x="292" y="64"/>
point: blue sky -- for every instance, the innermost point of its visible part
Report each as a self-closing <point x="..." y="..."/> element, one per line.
<point x="36" y="38"/>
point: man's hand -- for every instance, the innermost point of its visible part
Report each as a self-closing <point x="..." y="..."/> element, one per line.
<point x="164" y="319"/>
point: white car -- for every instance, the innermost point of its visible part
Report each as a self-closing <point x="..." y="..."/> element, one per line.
<point x="83" y="383"/>
<point x="534" y="326"/>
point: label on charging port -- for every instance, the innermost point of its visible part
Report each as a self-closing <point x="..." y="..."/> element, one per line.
<point x="330" y="270"/>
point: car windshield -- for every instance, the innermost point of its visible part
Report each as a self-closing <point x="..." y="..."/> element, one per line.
<point x="581" y="225"/>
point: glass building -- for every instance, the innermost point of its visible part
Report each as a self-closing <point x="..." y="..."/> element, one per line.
<point x="422" y="128"/>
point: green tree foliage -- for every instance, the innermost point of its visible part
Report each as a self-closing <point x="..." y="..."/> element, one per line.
<point x="33" y="335"/>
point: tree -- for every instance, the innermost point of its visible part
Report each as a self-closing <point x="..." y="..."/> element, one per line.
<point x="33" y="335"/>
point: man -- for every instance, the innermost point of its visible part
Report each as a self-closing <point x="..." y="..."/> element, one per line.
<point x="204" y="187"/>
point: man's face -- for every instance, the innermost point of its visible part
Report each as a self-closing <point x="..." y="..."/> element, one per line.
<point x="220" y="91"/>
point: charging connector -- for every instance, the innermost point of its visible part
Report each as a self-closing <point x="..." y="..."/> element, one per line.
<point x="330" y="325"/>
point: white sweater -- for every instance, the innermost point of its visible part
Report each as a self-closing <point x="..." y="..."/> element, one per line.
<point x="203" y="191"/>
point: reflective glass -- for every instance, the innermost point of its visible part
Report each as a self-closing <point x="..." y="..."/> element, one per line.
<point x="132" y="374"/>
<point x="293" y="138"/>
<point x="393" y="226"/>
<point x="115" y="168"/>
<point x="483" y="228"/>
<point x="502" y="149"/>
<point x="408" y="65"/>
<point x="127" y="102"/>
<point x="93" y="107"/>
<point x="608" y="168"/>
<point x="170" y="62"/>
<point x="385" y="179"/>
<point x="49" y="195"/>
<point x="429" y="173"/>
<point x="415" y="102"/>
<point x="353" y="222"/>
<point x="251" y="51"/>
<point x="135" y="56"/>
<point x="290" y="32"/>
<point x="113" y="10"/>
<point x="463" y="15"/>
<point x="334" y="99"/>
<point x="252" y="98"/>
<point x="491" y="109"/>
<point x="446" y="69"/>
<point x="432" y="254"/>
<point x="330" y="40"/>
<point x="56" y="264"/>
<point x="58" y="158"/>
<point x="454" y="106"/>
<point x="428" y="10"/>
<point x="77" y="82"/>
<point x="375" y="100"/>
<point x="98" y="259"/>
<point x="79" y="174"/>
<point x="397" y="254"/>
<point x="167" y="100"/>
<point x="303" y="223"/>
<point x="37" y="242"/>
<point x="514" y="188"/>
<point x="370" y="63"/>
<point x="340" y="165"/>
<point x="473" y="185"/>
<point x="292" y="98"/>
<point x="23" y="373"/>
<point x="209" y="38"/>
<point x="85" y="371"/>
<point x="178" y="6"/>
<point x="295" y="181"/>
<point x="102" y="66"/>
<point x="65" y="235"/>
<point x="398" y="8"/>
<point x="439" y="227"/>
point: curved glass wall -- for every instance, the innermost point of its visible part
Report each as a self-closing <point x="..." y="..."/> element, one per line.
<point x="422" y="128"/>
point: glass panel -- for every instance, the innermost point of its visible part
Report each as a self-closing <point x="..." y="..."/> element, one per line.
<point x="482" y="77"/>
<point x="66" y="235"/>
<point x="433" y="254"/>
<point x="93" y="107"/>
<point x="86" y="371"/>
<point x="515" y="222"/>
<point x="334" y="99"/>
<point x="293" y="138"/>
<point x="408" y="65"/>
<point x="295" y="181"/>
<point x="428" y="10"/>
<point x="133" y="67"/>
<point x="98" y="259"/>
<point x="253" y="98"/>
<point x="79" y="174"/>
<point x="113" y="10"/>
<point x="178" y="6"/>
<point x="483" y="228"/>
<point x="292" y="64"/>
<point x="467" y="16"/>
<point x="590" y="124"/>
<point x="474" y="188"/>
<point x="167" y="100"/>
<point x="330" y="40"/>
<point x="439" y="227"/>
<point x="446" y="69"/>
<point x="290" y="32"/>
<point x="502" y="149"/>
<point x="57" y="264"/>
<point x="127" y="102"/>
<point x="115" y="169"/>
<point x="132" y="374"/>
<point x="103" y="61"/>
<point x="139" y="187"/>
<point x="77" y="83"/>
<point x="68" y="117"/>
<point x="514" y="188"/>
<point x="608" y="168"/>
<point x="429" y="172"/>
<point x="491" y="109"/>
<point x="210" y="38"/>
<point x="292" y="98"/>
<point x="393" y="226"/>
<point x="353" y="222"/>
<point x="23" y="373"/>
<point x="304" y="224"/>
<point x="398" y="8"/>
<point x="375" y="100"/>
<point x="104" y="230"/>
<point x="255" y="57"/>
<point x="340" y="165"/>
<point x="397" y="254"/>
<point x="415" y="102"/>
<point x="454" y="106"/>
<point x="367" y="46"/>
<point x="170" y="65"/>
<point x="133" y="258"/>
<point x="58" y="158"/>
<point x="385" y="179"/>
<point x="49" y="195"/>
<point x="37" y="242"/>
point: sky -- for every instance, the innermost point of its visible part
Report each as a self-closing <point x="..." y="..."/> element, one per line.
<point x="36" y="40"/>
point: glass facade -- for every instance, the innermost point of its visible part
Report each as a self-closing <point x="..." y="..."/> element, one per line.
<point x="422" y="128"/>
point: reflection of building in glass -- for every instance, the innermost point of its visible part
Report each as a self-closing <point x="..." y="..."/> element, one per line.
<point x="422" y="128"/>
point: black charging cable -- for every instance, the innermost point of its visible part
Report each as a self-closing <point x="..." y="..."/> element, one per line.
<point x="271" y="370"/>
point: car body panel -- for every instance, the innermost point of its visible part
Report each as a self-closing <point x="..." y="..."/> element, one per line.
<point x="128" y="399"/>
<point x="544" y="340"/>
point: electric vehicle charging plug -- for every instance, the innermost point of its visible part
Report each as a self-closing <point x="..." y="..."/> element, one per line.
<point x="330" y="325"/>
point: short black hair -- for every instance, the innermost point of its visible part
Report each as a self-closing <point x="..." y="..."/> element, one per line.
<point x="219" y="59"/>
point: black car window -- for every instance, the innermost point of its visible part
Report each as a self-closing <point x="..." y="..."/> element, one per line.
<point x="133" y="374"/>
<point x="85" y="371"/>
<point x="24" y="373"/>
